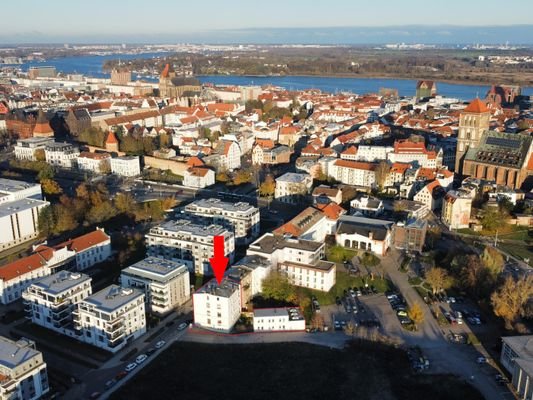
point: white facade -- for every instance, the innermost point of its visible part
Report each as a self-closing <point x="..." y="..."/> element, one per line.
<point x="188" y="243"/>
<point x="456" y="210"/>
<point x="368" y="234"/>
<point x="166" y="284"/>
<point x="320" y="276"/>
<point x="230" y="155"/>
<point x="19" y="220"/>
<point x="217" y="307"/>
<point x="292" y="188"/>
<point x="50" y="301"/>
<point x="198" y="178"/>
<point x="22" y="370"/>
<point x="25" y="148"/>
<point x="373" y="153"/>
<point x="278" y="319"/>
<point x="63" y="155"/>
<point x="241" y="217"/>
<point x="93" y="162"/>
<point x="111" y="318"/>
<point x="126" y="166"/>
<point x="353" y="173"/>
<point x="11" y="190"/>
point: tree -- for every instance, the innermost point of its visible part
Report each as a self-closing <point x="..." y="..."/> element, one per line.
<point x="50" y="187"/>
<point x="64" y="219"/>
<point x="510" y="300"/>
<point x="493" y="260"/>
<point x="493" y="218"/>
<point x="438" y="279"/>
<point x="104" y="168"/>
<point x="381" y="173"/>
<point x="242" y="176"/>
<point x="45" y="172"/>
<point x="276" y="286"/>
<point x="100" y="212"/>
<point x="82" y="192"/>
<point x="125" y="203"/>
<point x="46" y="221"/>
<point x="93" y="137"/>
<point x="39" y="155"/>
<point x="222" y="177"/>
<point x="473" y="274"/>
<point x="416" y="314"/>
<point x="268" y="187"/>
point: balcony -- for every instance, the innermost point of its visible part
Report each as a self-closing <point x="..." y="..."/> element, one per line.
<point x="114" y="326"/>
<point x="115" y="336"/>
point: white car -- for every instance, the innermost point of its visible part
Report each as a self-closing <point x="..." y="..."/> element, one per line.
<point x="160" y="344"/>
<point x="130" y="367"/>
<point x="182" y="326"/>
<point x="140" y="359"/>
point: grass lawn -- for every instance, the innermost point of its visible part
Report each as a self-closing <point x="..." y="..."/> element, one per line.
<point x="517" y="250"/>
<point x="282" y="371"/>
<point x="339" y="254"/>
<point x="344" y="281"/>
<point x="511" y="232"/>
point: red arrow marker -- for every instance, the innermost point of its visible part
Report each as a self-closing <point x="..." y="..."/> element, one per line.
<point x="218" y="261"/>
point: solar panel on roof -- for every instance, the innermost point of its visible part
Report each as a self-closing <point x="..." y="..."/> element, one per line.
<point x="503" y="142"/>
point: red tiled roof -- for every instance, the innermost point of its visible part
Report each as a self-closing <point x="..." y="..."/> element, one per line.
<point x="356" y="165"/>
<point x="195" y="162"/>
<point x="476" y="106"/>
<point x="85" y="241"/>
<point x="26" y="264"/>
<point x="111" y="138"/>
<point x="332" y="210"/>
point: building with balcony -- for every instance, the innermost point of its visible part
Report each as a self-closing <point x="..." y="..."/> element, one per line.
<point x="242" y="218"/>
<point x="217" y="307"/>
<point x="50" y="301"/>
<point x="319" y="276"/>
<point x="23" y="373"/>
<point x="111" y="318"/>
<point x="188" y="243"/>
<point x="293" y="188"/>
<point x="166" y="284"/>
<point x="61" y="154"/>
<point x="25" y="148"/>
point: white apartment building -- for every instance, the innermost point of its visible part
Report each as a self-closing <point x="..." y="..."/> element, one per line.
<point x="111" y="318"/>
<point x="373" y="153"/>
<point x="293" y="188"/>
<point x="25" y="148"/>
<point x="319" y="276"/>
<point x="23" y="373"/>
<point x="242" y="218"/>
<point x="278" y="320"/>
<point x="230" y="154"/>
<point x="11" y="190"/>
<point x="355" y="173"/>
<point x="50" y="301"/>
<point x="198" y="177"/>
<point x="96" y="163"/>
<point x="367" y="206"/>
<point x="410" y="152"/>
<point x="19" y="220"/>
<point x="279" y="249"/>
<point x="258" y="268"/>
<point x="126" y="166"/>
<point x="166" y="284"/>
<point x="189" y="243"/>
<point x="217" y="307"/>
<point x="61" y="154"/>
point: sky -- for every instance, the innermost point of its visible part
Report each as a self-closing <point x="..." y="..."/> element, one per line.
<point x="239" y="21"/>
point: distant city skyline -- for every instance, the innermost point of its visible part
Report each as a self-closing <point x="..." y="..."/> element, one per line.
<point x="275" y="21"/>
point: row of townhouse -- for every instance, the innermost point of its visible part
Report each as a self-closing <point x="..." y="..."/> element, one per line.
<point x="76" y="254"/>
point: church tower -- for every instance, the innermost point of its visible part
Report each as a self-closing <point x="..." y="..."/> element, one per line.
<point x="165" y="81"/>
<point x="474" y="120"/>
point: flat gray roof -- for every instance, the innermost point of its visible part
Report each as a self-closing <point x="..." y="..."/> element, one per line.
<point x="187" y="226"/>
<point x="225" y="289"/>
<point x="15" y="353"/>
<point x="155" y="268"/>
<point x="20" y="205"/>
<point x="12" y="186"/>
<point x="322" y="265"/>
<point x="61" y="281"/>
<point x="292" y="177"/>
<point x="293" y="313"/>
<point x="112" y="298"/>
<point x="522" y="345"/>
<point x="268" y="243"/>
<point x="219" y="204"/>
<point x="253" y="261"/>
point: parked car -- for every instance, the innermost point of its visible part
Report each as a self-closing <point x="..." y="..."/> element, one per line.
<point x="182" y="326"/>
<point x="130" y="367"/>
<point x="141" y="358"/>
<point x="150" y="351"/>
<point x="160" y="344"/>
<point x="110" y="383"/>
<point x="120" y="375"/>
<point x="481" y="360"/>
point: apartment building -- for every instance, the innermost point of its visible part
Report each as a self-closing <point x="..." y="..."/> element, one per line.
<point x="188" y="243"/>
<point x="25" y="148"/>
<point x="126" y="166"/>
<point x="257" y="267"/>
<point x="279" y="249"/>
<point x="111" y="318"/>
<point x="96" y="163"/>
<point x="242" y="218"/>
<point x="198" y="177"/>
<point x="355" y="173"/>
<point x="293" y="188"/>
<point x="217" y="307"/>
<point x="166" y="284"/>
<point x="319" y="276"/>
<point x="278" y="319"/>
<point x="456" y="209"/>
<point x="61" y="154"/>
<point x="51" y="300"/>
<point x="23" y="373"/>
